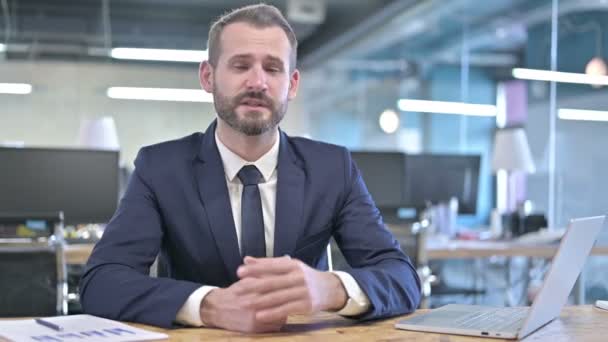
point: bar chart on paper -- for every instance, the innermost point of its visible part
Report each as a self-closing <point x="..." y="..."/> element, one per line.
<point x="77" y="327"/>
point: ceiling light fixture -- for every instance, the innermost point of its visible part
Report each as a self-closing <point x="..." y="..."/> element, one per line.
<point x="159" y="94"/>
<point x="2" y="47"/>
<point x="582" y="114"/>
<point x="389" y="121"/>
<point x="597" y="66"/>
<point x="15" y="88"/>
<point x="443" y="107"/>
<point x="195" y="56"/>
<point x="558" y="76"/>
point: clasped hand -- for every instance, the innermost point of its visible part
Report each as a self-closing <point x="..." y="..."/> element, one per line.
<point x="269" y="290"/>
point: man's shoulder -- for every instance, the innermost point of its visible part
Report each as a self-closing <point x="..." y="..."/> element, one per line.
<point x="182" y="148"/>
<point x="320" y="157"/>
<point x="315" y="147"/>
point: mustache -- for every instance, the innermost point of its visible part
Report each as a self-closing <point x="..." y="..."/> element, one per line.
<point x="256" y="95"/>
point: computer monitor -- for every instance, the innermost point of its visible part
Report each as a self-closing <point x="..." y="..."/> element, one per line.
<point x="399" y="181"/>
<point x="382" y="173"/>
<point x="81" y="183"/>
<point x="436" y="178"/>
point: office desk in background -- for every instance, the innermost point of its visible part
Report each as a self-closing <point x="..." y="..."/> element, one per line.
<point x="576" y="323"/>
<point x="79" y="253"/>
<point x="463" y="249"/>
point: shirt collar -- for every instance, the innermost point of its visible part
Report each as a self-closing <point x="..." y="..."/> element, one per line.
<point x="233" y="163"/>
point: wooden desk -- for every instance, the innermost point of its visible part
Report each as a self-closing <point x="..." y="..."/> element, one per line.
<point x="577" y="323"/>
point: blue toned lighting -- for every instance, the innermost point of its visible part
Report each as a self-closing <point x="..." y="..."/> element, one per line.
<point x="444" y="107"/>
<point x="582" y="114"/>
<point x="558" y="76"/>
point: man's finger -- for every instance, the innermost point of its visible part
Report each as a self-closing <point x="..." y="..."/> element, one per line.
<point x="248" y="260"/>
<point x="267" y="266"/>
<point x="291" y="308"/>
<point x="251" y="260"/>
<point x="269" y="284"/>
<point x="280" y="298"/>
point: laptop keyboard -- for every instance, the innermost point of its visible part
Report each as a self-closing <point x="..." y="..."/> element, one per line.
<point x="499" y="319"/>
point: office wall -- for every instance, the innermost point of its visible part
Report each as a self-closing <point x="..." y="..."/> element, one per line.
<point x="347" y="107"/>
<point x="465" y="134"/>
<point x="66" y="92"/>
<point x="580" y="145"/>
<point x="581" y="161"/>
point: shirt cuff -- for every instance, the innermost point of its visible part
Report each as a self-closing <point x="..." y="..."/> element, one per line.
<point x="357" y="302"/>
<point x="190" y="312"/>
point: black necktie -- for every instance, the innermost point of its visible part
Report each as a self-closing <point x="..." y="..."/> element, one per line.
<point x="252" y="221"/>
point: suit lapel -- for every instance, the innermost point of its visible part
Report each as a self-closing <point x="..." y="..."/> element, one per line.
<point x="211" y="181"/>
<point x="289" y="201"/>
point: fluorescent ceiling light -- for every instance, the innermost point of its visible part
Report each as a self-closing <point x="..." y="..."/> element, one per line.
<point x="196" y="56"/>
<point x="2" y="47"/>
<point x="558" y="76"/>
<point x="159" y="94"/>
<point x="442" y="107"/>
<point x="15" y="88"/>
<point x="582" y="114"/>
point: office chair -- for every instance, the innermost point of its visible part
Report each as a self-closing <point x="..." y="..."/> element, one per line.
<point x="32" y="265"/>
<point x="412" y="239"/>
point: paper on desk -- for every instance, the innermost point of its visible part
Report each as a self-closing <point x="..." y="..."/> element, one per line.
<point x="83" y="328"/>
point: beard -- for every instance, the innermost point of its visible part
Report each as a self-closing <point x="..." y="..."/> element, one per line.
<point x="252" y="123"/>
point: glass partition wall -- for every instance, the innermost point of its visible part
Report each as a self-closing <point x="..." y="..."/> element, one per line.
<point x="575" y="127"/>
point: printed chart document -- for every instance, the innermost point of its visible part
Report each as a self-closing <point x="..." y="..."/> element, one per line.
<point x="83" y="328"/>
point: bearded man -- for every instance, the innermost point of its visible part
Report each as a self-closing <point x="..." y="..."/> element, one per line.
<point x="240" y="215"/>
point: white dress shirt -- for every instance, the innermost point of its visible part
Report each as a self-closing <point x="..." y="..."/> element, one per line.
<point x="189" y="314"/>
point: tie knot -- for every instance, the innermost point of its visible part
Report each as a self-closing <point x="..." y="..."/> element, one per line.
<point x="250" y="175"/>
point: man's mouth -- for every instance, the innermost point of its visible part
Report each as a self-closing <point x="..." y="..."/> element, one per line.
<point x="254" y="103"/>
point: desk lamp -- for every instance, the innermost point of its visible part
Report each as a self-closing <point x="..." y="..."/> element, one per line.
<point x="512" y="155"/>
<point x="99" y="133"/>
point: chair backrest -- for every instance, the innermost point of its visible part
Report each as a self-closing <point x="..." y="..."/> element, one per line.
<point x="32" y="265"/>
<point x="411" y="238"/>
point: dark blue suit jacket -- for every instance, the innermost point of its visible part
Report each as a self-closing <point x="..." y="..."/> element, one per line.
<point x="177" y="204"/>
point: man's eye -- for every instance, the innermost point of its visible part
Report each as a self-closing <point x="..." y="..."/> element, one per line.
<point x="240" y="67"/>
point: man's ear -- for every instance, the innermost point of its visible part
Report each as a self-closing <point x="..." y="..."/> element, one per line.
<point x="294" y="82"/>
<point x="205" y="76"/>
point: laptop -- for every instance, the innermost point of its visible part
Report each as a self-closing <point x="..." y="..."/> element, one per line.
<point x="519" y="322"/>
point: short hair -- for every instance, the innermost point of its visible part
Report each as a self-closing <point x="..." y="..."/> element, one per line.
<point x="259" y="16"/>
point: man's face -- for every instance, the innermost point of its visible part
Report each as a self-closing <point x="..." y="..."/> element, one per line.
<point x="251" y="83"/>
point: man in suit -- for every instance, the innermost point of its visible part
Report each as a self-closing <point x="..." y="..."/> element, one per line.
<point x="241" y="215"/>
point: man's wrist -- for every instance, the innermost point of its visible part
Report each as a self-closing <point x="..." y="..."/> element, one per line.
<point x="208" y="308"/>
<point x="357" y="302"/>
<point x="337" y="296"/>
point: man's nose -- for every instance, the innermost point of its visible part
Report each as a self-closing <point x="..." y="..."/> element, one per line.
<point x="256" y="79"/>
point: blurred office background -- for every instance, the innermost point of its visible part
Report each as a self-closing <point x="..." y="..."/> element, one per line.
<point x="376" y="76"/>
